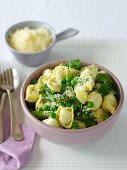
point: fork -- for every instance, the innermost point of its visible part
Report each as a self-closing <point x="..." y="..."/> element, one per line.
<point x="2" y="105"/>
<point x="7" y="85"/>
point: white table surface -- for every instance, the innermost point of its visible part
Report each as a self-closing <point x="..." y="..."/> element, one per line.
<point x="97" y="21"/>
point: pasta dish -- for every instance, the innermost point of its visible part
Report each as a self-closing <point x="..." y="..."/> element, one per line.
<point x="72" y="96"/>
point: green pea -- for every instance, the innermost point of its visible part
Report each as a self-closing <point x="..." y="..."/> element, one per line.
<point x="52" y="115"/>
<point x="68" y="78"/>
<point x="90" y="104"/>
<point x="73" y="82"/>
<point x="45" y="107"/>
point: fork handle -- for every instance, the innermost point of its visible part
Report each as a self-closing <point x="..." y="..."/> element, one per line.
<point x="15" y="129"/>
<point x="2" y="105"/>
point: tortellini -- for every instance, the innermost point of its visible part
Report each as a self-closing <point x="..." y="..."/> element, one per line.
<point x="100" y="115"/>
<point x="62" y="71"/>
<point x="54" y="85"/>
<point x="65" y="116"/>
<point x="109" y="103"/>
<point x="96" y="98"/>
<point x="83" y="88"/>
<point x="81" y="93"/>
<point x="32" y="93"/>
<point x="47" y="72"/>
<point x="89" y="84"/>
<point x="45" y="79"/>
<point x="39" y="103"/>
<point x="51" y="122"/>
<point x="40" y="80"/>
<point x="89" y="71"/>
<point x="53" y="77"/>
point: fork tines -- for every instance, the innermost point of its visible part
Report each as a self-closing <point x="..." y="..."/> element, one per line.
<point x="7" y="75"/>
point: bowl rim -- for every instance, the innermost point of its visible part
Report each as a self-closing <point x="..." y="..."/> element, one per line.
<point x="60" y="130"/>
<point x="12" y="27"/>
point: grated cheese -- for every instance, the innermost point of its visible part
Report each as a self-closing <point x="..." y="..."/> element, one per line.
<point x="30" y="40"/>
<point x="69" y="92"/>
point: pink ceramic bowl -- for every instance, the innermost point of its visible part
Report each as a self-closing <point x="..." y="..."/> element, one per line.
<point x="70" y="137"/>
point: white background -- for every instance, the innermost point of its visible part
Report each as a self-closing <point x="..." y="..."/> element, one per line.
<point x="96" y="20"/>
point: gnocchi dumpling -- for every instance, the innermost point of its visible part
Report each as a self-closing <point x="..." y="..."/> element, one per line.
<point x="32" y="93"/>
<point x="109" y="103"/>
<point x="96" y="98"/>
<point x="65" y="116"/>
<point x="51" y="122"/>
<point x="81" y="93"/>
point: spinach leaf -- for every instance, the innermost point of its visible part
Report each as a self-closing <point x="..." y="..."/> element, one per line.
<point x="73" y="64"/>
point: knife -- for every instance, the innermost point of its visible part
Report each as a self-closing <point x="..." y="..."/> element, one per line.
<point x="2" y="106"/>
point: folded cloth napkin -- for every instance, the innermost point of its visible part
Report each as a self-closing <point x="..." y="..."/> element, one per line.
<point x="14" y="154"/>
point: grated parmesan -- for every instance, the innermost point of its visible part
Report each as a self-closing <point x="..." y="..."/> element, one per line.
<point x="69" y="92"/>
<point x="30" y="40"/>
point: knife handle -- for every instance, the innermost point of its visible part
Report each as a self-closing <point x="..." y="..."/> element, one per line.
<point x="2" y="106"/>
